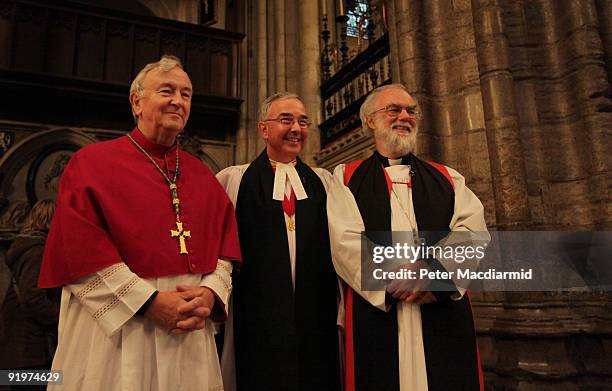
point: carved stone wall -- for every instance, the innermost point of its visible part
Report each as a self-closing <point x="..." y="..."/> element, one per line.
<point x="516" y="96"/>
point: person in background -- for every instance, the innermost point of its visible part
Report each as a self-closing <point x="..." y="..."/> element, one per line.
<point x="29" y="314"/>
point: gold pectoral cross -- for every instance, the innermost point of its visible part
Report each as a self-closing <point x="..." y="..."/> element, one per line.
<point x="181" y="234"/>
<point x="291" y="224"/>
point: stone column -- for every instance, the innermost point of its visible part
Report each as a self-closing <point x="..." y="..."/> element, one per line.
<point x="246" y="75"/>
<point x="501" y="121"/>
<point x="309" y="74"/>
<point x="563" y="52"/>
<point x="604" y="11"/>
<point x="433" y="54"/>
<point x="604" y="8"/>
<point x="270" y="32"/>
<point x="262" y="58"/>
<point x="279" y="47"/>
<point x="585" y="81"/>
<point x="292" y="48"/>
<point x="409" y="64"/>
<point x="394" y="43"/>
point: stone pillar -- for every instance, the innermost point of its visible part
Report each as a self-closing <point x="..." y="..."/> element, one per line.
<point x="604" y="8"/>
<point x="309" y="72"/>
<point x="433" y="54"/>
<point x="582" y="72"/>
<point x="501" y="120"/>
<point x="604" y="11"/>
<point x="246" y="74"/>
<point x="292" y="48"/>
<point x="279" y="47"/>
<point x="564" y="138"/>
<point x="262" y="58"/>
<point x="284" y="56"/>
<point x="407" y="56"/>
<point x="393" y="7"/>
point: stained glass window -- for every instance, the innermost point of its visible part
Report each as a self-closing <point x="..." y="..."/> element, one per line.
<point x="357" y="10"/>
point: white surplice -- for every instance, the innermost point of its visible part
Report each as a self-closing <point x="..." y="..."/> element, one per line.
<point x="104" y="345"/>
<point x="230" y="179"/>
<point x="345" y="227"/>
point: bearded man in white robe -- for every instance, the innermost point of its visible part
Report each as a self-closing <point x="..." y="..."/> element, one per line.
<point x="408" y="338"/>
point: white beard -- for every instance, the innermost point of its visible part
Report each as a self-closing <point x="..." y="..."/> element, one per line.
<point x="395" y="143"/>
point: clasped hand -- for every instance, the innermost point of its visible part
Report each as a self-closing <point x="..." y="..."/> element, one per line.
<point x="183" y="310"/>
<point x="412" y="290"/>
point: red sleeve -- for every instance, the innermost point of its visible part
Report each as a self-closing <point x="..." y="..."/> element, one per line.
<point x="78" y="243"/>
<point x="230" y="246"/>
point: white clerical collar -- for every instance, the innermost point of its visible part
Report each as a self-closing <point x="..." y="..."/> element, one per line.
<point x="283" y="172"/>
<point x="395" y="162"/>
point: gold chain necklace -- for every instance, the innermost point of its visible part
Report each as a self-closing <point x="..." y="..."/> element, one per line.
<point x="180" y="232"/>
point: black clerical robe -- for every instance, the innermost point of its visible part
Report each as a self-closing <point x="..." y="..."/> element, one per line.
<point x="285" y="336"/>
<point x="360" y="200"/>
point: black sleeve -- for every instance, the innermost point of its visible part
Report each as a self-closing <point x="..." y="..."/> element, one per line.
<point x="36" y="302"/>
<point x="141" y="311"/>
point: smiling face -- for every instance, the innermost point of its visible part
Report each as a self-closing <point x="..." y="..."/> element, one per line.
<point x="164" y="105"/>
<point x="394" y="137"/>
<point x="284" y="142"/>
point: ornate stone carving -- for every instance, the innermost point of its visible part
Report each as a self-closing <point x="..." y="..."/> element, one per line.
<point x="195" y="42"/>
<point x="13" y="214"/>
<point x="90" y="24"/>
<point x="171" y="38"/>
<point x="146" y="34"/>
<point x="30" y="14"/>
<point x="6" y="140"/>
<point x="220" y="46"/>
<point x="118" y="29"/>
<point x="59" y="19"/>
<point x="52" y="176"/>
<point x="31" y="169"/>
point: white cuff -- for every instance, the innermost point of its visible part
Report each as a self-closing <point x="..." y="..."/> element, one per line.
<point x="220" y="281"/>
<point x="112" y="295"/>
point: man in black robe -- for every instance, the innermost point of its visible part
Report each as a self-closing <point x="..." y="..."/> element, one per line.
<point x="282" y="332"/>
<point x="414" y="339"/>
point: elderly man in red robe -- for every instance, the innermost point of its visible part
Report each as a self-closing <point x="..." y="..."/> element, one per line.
<point x="143" y="243"/>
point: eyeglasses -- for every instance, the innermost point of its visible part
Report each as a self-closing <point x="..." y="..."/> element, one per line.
<point x="394" y="111"/>
<point x="289" y="120"/>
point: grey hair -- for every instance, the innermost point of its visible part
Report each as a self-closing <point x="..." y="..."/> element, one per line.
<point x="368" y="105"/>
<point x="262" y="115"/>
<point x="166" y="63"/>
